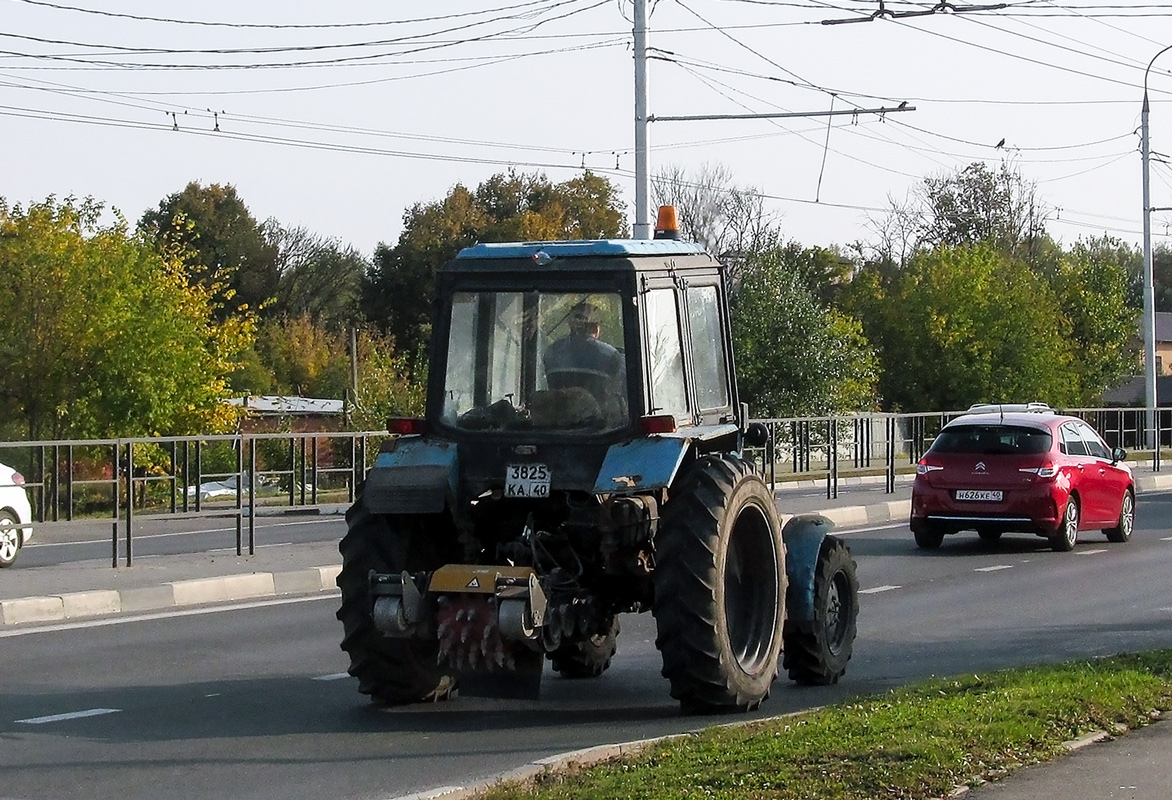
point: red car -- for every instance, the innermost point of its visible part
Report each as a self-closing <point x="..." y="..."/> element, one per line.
<point x="1021" y="468"/>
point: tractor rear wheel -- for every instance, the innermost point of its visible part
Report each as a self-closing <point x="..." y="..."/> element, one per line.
<point x="719" y="587"/>
<point x="392" y="671"/>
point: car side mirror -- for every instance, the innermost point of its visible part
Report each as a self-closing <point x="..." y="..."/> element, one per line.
<point x="1118" y="454"/>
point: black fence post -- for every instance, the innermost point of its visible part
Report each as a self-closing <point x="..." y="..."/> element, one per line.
<point x="251" y="496"/>
<point x="129" y="503"/>
<point x="115" y="480"/>
<point x="239" y="496"/>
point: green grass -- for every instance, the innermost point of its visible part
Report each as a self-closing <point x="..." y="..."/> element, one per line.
<point x="915" y="742"/>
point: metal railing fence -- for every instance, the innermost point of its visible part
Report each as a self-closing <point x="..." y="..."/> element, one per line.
<point x="237" y="474"/>
<point x="234" y="474"/>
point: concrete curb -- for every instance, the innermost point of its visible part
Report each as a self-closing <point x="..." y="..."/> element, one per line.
<point x="197" y="591"/>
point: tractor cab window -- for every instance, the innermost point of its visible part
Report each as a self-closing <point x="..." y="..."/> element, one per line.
<point x="708" y="348"/>
<point x="545" y="361"/>
<point x="666" y="355"/>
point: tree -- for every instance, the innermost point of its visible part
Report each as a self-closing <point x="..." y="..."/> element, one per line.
<point x="318" y="278"/>
<point x="102" y="334"/>
<point x="796" y="357"/>
<point x="229" y="252"/>
<point x="973" y="205"/>
<point x="960" y="325"/>
<point x="1092" y="286"/>
<point x="727" y="220"/>
<point x="506" y="207"/>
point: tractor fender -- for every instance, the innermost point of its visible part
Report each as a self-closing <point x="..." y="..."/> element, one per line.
<point x="641" y="465"/>
<point x="414" y="476"/>
<point x="803" y="536"/>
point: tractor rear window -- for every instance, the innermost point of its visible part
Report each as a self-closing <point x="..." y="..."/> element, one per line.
<point x="536" y="361"/>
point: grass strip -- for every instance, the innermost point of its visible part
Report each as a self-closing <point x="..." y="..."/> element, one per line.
<point x="919" y="741"/>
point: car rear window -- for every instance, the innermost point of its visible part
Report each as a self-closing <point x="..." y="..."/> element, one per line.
<point x="992" y="440"/>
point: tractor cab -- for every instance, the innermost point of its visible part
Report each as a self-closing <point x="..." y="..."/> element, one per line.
<point x="598" y="340"/>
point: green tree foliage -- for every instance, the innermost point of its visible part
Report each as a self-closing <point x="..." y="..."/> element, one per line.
<point x="1092" y="284"/>
<point x="1161" y="279"/>
<point x="229" y="251"/>
<point x="506" y="207"/>
<point x="388" y="384"/>
<point x="102" y="334"/>
<point x="303" y="358"/>
<point x="795" y="356"/>
<point x="960" y="325"/>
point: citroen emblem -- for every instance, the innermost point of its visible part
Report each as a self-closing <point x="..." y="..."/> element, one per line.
<point x="980" y="467"/>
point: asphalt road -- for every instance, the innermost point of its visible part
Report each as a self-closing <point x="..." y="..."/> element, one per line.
<point x="251" y="701"/>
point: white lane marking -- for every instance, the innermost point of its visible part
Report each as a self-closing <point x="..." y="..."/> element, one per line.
<point x="1090" y="552"/>
<point x="258" y="547"/>
<point x="186" y="612"/>
<point x="337" y="676"/>
<point x="878" y="589"/>
<point x="993" y="568"/>
<point x="1166" y="539"/>
<point x="89" y="712"/>
<point x="885" y="527"/>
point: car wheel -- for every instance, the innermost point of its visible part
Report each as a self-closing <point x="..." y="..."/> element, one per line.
<point x="9" y="538"/>
<point x="1122" y="531"/>
<point x="928" y="536"/>
<point x="1065" y="537"/>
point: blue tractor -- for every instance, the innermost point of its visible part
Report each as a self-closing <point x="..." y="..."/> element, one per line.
<point x="581" y="457"/>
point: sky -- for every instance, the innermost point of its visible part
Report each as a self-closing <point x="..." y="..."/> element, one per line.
<point x="339" y="117"/>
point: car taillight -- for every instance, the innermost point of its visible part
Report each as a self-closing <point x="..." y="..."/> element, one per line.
<point x="406" y="426"/>
<point x="660" y="423"/>
<point x="924" y="469"/>
<point x="1048" y="471"/>
<point x="18" y="479"/>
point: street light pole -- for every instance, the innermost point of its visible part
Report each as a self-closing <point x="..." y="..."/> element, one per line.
<point x="1149" y="312"/>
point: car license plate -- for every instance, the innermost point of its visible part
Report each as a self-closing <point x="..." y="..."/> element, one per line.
<point x="985" y="495"/>
<point x="527" y="480"/>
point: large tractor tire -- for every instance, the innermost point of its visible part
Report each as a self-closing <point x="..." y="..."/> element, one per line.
<point x="719" y="588"/>
<point x="391" y="671"/>
<point x="817" y="653"/>
<point x="588" y="658"/>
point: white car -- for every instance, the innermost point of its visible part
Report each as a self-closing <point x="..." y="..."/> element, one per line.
<point x="15" y="515"/>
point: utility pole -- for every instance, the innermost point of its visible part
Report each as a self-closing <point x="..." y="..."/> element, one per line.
<point x="642" y="228"/>
<point x="1149" y="312"/>
<point x="642" y="174"/>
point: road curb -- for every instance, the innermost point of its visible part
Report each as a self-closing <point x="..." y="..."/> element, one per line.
<point x="197" y="591"/>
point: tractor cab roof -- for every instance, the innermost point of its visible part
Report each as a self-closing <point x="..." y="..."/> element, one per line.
<point x="609" y="255"/>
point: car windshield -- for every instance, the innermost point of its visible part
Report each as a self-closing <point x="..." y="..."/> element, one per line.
<point x="549" y="361"/>
<point x="992" y="440"/>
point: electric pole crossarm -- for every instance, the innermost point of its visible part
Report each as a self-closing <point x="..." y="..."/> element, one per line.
<point x="782" y="115"/>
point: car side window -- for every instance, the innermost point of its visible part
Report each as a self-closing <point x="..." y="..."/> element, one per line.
<point x="1072" y="443"/>
<point x="1095" y="445"/>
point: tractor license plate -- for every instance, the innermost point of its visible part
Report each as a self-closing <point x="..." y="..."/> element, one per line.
<point x="527" y="480"/>
<point x="985" y="495"/>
